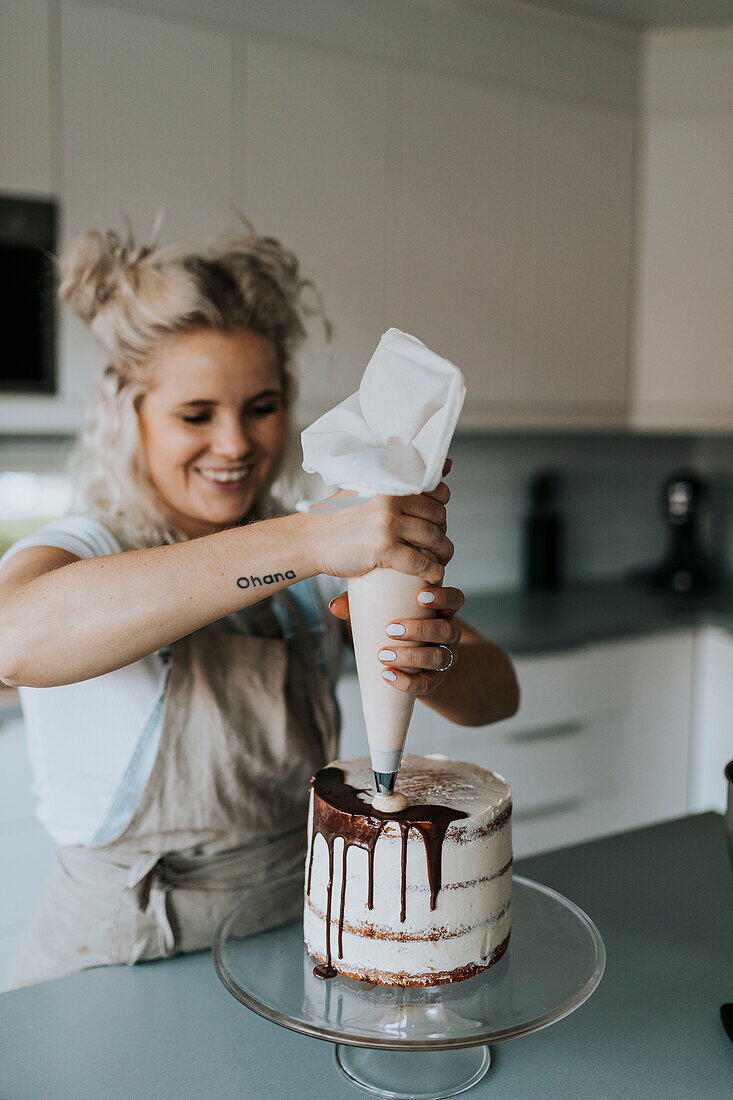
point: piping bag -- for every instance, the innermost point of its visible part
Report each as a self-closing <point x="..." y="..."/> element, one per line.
<point x="390" y="437"/>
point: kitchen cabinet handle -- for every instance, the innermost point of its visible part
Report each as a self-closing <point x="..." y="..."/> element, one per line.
<point x="545" y="733"/>
<point x="549" y="809"/>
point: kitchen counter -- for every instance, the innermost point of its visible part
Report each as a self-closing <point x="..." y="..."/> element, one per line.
<point x="663" y="900"/>
<point x="540" y="622"/>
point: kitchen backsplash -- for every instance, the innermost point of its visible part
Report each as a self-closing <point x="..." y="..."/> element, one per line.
<point x="716" y="459"/>
<point x="610" y="497"/>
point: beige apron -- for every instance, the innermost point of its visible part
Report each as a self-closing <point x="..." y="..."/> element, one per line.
<point x="247" y="720"/>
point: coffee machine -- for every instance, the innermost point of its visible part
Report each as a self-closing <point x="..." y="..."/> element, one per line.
<point x="687" y="566"/>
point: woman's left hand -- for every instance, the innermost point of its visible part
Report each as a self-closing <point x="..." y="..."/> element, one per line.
<point x="421" y="665"/>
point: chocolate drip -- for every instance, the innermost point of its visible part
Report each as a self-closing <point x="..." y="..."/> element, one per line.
<point x="405" y="831"/>
<point x="325" y="970"/>
<point x="434" y="852"/>
<point x="343" y="900"/>
<point x="338" y="811"/>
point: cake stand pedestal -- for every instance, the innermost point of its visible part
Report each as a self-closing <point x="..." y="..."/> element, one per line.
<point x="415" y="1043"/>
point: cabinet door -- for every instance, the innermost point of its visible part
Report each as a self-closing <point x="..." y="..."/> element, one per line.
<point x="509" y="247"/>
<point x="147" y="126"/>
<point x="573" y="216"/>
<point x="309" y="168"/>
<point x="25" y="98"/>
<point x="682" y="370"/>
<point x="452" y="262"/>
<point x="712" y="725"/>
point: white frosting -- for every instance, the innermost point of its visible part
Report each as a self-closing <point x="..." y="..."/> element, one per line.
<point x="389" y="803"/>
<point x="439" y="780"/>
<point x="472" y="914"/>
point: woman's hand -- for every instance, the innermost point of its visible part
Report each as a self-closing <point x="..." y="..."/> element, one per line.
<point x="402" y="533"/>
<point x="419" y="668"/>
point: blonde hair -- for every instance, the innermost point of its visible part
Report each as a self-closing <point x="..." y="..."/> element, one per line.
<point x="133" y="297"/>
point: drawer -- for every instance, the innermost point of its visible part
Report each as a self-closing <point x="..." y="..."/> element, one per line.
<point x="567" y="688"/>
<point x="600" y="742"/>
<point x="551" y="768"/>
<point x="575" y="821"/>
<point x="574" y="764"/>
<point x="558" y="693"/>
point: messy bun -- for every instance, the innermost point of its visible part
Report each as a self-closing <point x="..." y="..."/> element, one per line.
<point x="267" y="277"/>
<point x="132" y="298"/>
<point x="129" y="297"/>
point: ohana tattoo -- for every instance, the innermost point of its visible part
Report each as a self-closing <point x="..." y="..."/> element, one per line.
<point x="269" y="578"/>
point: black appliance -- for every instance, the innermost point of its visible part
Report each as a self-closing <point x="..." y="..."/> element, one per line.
<point x="687" y="565"/>
<point x="27" y="295"/>
<point x="543" y="534"/>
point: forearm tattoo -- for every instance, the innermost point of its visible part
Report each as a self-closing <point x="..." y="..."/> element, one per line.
<point x="269" y="578"/>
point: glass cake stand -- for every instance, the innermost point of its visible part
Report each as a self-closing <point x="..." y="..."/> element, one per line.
<point x="415" y="1043"/>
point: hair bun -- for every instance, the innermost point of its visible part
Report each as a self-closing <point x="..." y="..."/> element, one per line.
<point x="122" y="290"/>
<point x="269" y="273"/>
<point x="92" y="269"/>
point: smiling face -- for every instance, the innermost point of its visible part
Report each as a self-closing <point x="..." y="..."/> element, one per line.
<point x="213" y="425"/>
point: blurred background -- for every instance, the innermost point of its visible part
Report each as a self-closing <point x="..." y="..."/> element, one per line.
<point x="541" y="192"/>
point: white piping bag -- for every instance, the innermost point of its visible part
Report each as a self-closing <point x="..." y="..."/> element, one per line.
<point x="391" y="436"/>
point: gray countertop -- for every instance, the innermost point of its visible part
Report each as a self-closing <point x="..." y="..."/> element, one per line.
<point x="525" y="623"/>
<point x="663" y="900"/>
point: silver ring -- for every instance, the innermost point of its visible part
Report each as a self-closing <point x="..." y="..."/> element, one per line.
<point x="449" y="651"/>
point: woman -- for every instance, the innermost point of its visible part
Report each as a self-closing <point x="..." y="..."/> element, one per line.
<point x="175" y="666"/>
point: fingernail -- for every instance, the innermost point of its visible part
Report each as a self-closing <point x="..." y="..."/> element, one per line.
<point x="387" y="655"/>
<point x="395" y="630"/>
<point x="426" y="597"/>
<point x="388" y="674"/>
<point x="332" y="602"/>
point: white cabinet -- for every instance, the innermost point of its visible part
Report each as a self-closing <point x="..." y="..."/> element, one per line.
<point x="147" y="126"/>
<point x="310" y="165"/>
<point x="684" y="329"/>
<point x="27" y="852"/>
<point x="487" y="216"/>
<point x="490" y="222"/>
<point x="483" y="214"/>
<point x="573" y="259"/>
<point x="712" y="719"/>
<point x="452" y="264"/>
<point x="509" y="246"/>
<point x="25" y="98"/>
<point x="600" y="743"/>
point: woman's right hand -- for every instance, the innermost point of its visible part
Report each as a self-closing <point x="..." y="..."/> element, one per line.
<point x="402" y="533"/>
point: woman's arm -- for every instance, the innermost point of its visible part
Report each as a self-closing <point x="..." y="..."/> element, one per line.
<point x="478" y="689"/>
<point x="63" y="620"/>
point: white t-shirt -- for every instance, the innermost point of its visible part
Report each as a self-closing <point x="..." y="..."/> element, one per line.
<point x="92" y="744"/>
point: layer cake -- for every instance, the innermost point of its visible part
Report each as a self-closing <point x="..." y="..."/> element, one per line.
<point x="418" y="897"/>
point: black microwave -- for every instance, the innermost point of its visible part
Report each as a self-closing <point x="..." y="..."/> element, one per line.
<point x="28" y="229"/>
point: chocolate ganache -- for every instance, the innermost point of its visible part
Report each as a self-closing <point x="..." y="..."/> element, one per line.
<point x="339" y="812"/>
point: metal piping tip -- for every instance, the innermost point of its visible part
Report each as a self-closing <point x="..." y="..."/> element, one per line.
<point x="384" y="782"/>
